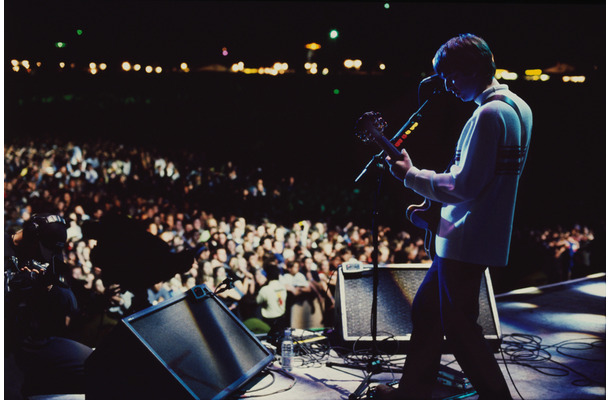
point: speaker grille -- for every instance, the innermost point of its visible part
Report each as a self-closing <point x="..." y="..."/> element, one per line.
<point x="190" y="337"/>
<point x="398" y="285"/>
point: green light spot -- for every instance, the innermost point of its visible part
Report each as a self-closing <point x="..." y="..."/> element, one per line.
<point x="333" y="34"/>
<point x="335" y="91"/>
<point x="60" y="45"/>
<point x="386" y="6"/>
<point x="79" y="32"/>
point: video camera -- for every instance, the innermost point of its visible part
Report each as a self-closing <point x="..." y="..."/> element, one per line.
<point x="38" y="256"/>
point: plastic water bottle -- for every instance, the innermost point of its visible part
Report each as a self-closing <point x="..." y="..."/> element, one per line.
<point x="287" y="351"/>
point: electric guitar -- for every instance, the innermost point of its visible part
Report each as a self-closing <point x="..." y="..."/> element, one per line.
<point x="370" y="127"/>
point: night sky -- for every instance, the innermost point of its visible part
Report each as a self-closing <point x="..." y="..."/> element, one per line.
<point x="260" y="33"/>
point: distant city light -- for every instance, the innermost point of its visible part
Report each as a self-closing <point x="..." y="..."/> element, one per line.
<point x="237" y="67"/>
<point x="506" y="75"/>
<point x="348" y="63"/>
<point x="536" y="75"/>
<point x="311" y="68"/>
<point x="574" y="79"/>
<point x="280" y="67"/>
<point x="225" y="52"/>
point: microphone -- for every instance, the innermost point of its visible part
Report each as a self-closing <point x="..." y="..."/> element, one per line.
<point x="432" y="78"/>
<point x="434" y="84"/>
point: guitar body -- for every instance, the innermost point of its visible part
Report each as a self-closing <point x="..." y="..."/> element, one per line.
<point x="426" y="215"/>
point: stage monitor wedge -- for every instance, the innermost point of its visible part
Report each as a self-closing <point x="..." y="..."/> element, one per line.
<point x="188" y="347"/>
<point x="398" y="284"/>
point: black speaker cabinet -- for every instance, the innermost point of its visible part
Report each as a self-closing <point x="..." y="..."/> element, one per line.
<point x="398" y="284"/>
<point x="188" y="347"/>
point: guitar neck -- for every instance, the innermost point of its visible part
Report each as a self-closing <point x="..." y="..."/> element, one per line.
<point x="388" y="147"/>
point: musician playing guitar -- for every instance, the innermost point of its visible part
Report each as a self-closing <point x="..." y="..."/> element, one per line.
<point x="478" y="194"/>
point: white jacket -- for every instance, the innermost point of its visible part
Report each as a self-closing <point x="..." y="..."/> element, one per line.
<point x="479" y="190"/>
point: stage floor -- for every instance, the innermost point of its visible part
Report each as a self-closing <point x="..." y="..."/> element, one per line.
<point x="553" y="347"/>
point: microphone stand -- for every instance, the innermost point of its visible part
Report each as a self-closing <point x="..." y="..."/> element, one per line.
<point x="378" y="161"/>
<point x="373" y="365"/>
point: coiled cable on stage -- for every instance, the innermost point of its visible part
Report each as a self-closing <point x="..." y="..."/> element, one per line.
<point x="527" y="350"/>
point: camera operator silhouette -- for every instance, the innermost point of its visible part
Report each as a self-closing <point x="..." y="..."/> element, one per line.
<point x="39" y="307"/>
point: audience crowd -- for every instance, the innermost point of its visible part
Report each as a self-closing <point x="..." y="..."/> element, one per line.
<point x="254" y="235"/>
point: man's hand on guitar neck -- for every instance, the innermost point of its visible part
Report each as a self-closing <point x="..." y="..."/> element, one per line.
<point x="400" y="167"/>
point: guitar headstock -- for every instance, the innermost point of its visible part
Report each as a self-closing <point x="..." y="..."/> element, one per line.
<point x="370" y="126"/>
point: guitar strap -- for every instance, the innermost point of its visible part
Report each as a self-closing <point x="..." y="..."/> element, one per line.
<point x="511" y="103"/>
<point x="508" y="101"/>
<point x="500" y="97"/>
